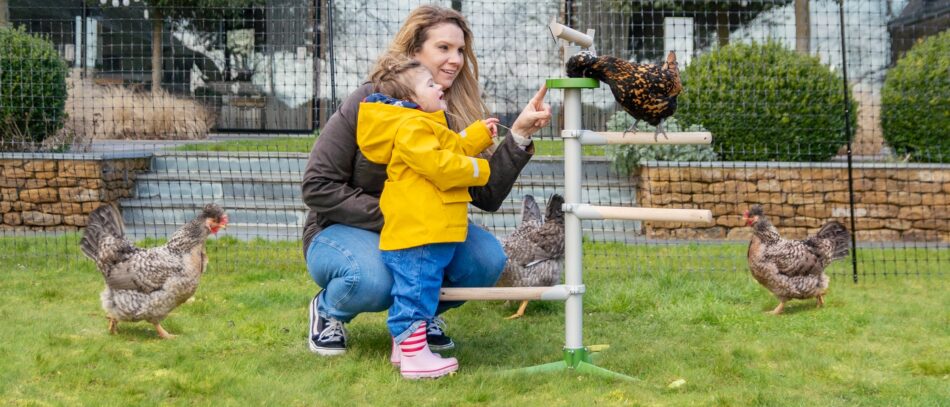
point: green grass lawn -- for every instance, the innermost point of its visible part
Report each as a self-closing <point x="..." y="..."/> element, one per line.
<point x="242" y="339"/>
<point x="303" y="145"/>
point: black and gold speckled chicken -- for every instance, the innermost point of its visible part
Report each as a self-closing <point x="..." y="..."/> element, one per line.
<point x="793" y="268"/>
<point x="647" y="92"/>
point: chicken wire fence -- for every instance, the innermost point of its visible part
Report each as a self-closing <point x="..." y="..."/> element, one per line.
<point x="819" y="111"/>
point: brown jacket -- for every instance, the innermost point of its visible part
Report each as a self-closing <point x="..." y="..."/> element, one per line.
<point x="341" y="186"/>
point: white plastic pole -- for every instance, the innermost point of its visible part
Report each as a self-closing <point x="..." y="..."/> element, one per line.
<point x="573" y="249"/>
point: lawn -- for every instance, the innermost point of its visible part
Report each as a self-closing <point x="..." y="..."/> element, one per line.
<point x="241" y="340"/>
<point x="304" y="144"/>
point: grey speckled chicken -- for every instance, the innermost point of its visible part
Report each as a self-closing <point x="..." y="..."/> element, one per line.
<point x="535" y="249"/>
<point x="793" y="268"/>
<point x="147" y="284"/>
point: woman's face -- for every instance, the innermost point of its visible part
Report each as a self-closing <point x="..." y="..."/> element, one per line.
<point x="442" y="53"/>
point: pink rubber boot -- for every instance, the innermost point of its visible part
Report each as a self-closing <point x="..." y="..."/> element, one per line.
<point x="416" y="361"/>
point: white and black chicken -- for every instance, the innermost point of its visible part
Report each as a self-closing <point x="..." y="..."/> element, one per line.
<point x="535" y="249"/>
<point x="793" y="268"/>
<point x="147" y="284"/>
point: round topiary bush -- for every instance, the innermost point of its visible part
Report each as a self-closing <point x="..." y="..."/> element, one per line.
<point x="763" y="102"/>
<point x="32" y="89"/>
<point x="915" y="102"/>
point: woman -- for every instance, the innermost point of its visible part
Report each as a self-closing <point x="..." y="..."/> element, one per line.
<point x="342" y="188"/>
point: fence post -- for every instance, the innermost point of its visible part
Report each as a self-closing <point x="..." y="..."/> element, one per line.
<point x="847" y="133"/>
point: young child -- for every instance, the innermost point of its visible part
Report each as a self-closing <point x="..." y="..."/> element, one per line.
<point x="424" y="201"/>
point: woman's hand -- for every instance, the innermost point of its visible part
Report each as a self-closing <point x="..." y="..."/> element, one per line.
<point x="535" y="115"/>
<point x="492" y="124"/>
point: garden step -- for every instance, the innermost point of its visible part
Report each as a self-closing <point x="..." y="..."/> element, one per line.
<point x="180" y="210"/>
<point x="224" y="185"/>
<point x="235" y="162"/>
<point x="295" y="163"/>
<point x="212" y="185"/>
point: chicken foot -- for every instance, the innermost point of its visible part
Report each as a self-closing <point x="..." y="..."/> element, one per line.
<point x="778" y="309"/>
<point x="162" y="332"/>
<point x="632" y="128"/>
<point x="520" y="313"/>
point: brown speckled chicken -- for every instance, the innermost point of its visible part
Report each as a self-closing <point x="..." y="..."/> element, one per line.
<point x="535" y="249"/>
<point x="647" y="92"/>
<point x="147" y="284"/>
<point x="793" y="268"/>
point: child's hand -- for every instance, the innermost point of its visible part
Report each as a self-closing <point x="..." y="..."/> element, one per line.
<point x="492" y="124"/>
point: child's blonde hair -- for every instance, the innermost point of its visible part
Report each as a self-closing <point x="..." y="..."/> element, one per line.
<point x="394" y="76"/>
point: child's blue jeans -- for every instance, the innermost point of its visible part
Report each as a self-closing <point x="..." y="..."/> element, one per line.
<point x="417" y="278"/>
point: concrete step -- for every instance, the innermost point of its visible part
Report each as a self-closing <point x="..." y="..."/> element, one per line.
<point x="242" y="232"/>
<point x="295" y="163"/>
<point x="229" y="186"/>
<point x="233" y="162"/>
<point x="240" y="212"/>
<point x="261" y="192"/>
<point x="218" y="186"/>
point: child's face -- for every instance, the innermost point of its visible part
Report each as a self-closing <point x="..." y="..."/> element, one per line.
<point x="428" y="93"/>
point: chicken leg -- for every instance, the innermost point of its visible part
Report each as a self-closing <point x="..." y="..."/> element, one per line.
<point x="162" y="332"/>
<point x="821" y="301"/>
<point x="520" y="313"/>
<point x="778" y="309"/>
<point x="113" y="326"/>
<point x="632" y="128"/>
<point x="660" y="130"/>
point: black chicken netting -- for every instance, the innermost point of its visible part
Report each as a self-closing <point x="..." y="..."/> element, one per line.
<point x="819" y="111"/>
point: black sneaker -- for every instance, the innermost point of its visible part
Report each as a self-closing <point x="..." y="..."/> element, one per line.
<point x="436" y="337"/>
<point x="327" y="335"/>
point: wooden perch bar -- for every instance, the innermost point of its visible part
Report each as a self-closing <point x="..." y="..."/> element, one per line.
<point x="553" y="293"/>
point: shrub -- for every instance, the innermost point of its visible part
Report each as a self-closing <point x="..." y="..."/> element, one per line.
<point x="117" y="112"/>
<point x="32" y="89"/>
<point x="763" y="102"/>
<point x="915" y="101"/>
<point x="627" y="157"/>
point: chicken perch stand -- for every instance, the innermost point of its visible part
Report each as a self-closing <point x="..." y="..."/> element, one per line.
<point x="577" y="357"/>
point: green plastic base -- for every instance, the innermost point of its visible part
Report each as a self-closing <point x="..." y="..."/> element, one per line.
<point x="577" y="360"/>
<point x="572" y="83"/>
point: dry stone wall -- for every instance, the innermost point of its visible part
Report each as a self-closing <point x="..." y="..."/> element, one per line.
<point x="56" y="192"/>
<point x="893" y="202"/>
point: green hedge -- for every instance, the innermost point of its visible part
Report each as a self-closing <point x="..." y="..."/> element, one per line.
<point x="763" y="102"/>
<point x="32" y="88"/>
<point x="915" y="102"/>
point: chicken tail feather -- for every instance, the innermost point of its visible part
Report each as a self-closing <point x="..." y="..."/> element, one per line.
<point x="837" y="234"/>
<point x="103" y="221"/>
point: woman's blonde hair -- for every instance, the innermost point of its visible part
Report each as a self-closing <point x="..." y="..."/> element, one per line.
<point x="463" y="99"/>
<point x="394" y="75"/>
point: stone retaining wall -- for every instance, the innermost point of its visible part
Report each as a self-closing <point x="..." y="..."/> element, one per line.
<point x="893" y="202"/>
<point x="56" y="192"/>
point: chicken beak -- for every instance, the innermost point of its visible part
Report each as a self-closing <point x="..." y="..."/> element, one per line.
<point x="224" y="221"/>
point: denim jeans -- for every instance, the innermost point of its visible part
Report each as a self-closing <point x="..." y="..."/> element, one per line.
<point x="346" y="262"/>
<point x="417" y="277"/>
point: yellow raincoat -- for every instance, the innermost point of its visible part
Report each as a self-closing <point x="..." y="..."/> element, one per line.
<point x="430" y="167"/>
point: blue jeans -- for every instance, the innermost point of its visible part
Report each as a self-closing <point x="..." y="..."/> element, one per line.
<point x="346" y="262"/>
<point x="417" y="277"/>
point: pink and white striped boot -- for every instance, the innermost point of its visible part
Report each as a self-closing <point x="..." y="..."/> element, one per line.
<point x="416" y="361"/>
